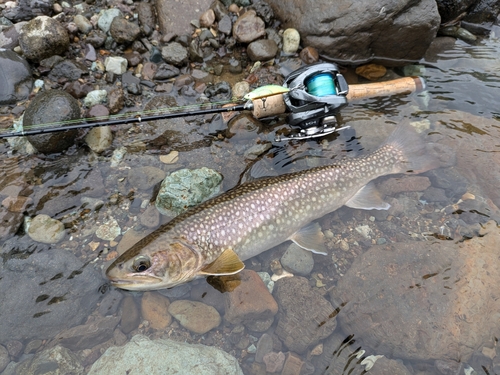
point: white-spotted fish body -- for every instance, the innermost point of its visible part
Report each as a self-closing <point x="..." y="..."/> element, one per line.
<point x="216" y="236"/>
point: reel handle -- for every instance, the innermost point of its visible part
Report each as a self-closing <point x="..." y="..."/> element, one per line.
<point x="396" y="86"/>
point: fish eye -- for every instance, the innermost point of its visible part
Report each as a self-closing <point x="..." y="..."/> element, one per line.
<point x="141" y="264"/>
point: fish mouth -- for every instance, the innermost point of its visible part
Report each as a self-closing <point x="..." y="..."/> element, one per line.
<point x="142" y="283"/>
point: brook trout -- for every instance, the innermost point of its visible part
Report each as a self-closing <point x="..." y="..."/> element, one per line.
<point x="215" y="237"/>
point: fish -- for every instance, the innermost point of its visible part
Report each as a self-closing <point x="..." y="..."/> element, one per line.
<point x="217" y="236"/>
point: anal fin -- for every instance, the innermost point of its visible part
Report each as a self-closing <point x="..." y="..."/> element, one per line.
<point x="228" y="263"/>
<point x="368" y="198"/>
<point x="310" y="238"/>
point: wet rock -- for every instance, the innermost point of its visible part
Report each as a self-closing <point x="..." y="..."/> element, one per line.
<point x="407" y="302"/>
<point x="9" y="37"/>
<point x="14" y="348"/>
<point x="83" y="24"/>
<point x="130" y="316"/>
<point x="358" y="30"/>
<point x="43" y="37"/>
<point x="95" y="97"/>
<point x="248" y="27"/>
<point x="264" y="346"/>
<point x="309" y="55"/>
<point x="116" y="100"/>
<point x="225" y="25"/>
<point x="26" y="10"/>
<point x="17" y="204"/>
<point x="204" y="292"/>
<point x="291" y="41"/>
<point x="166" y="71"/>
<point x="250" y="302"/>
<point x="15" y="75"/>
<point x="262" y="50"/>
<point x="371" y="71"/>
<point x="144" y="178"/>
<point x="393" y="186"/>
<point x="449" y="10"/>
<point x="58" y="292"/>
<point x="293" y="365"/>
<point x="109" y="230"/>
<point x="274" y="362"/>
<point x="4" y="358"/>
<point x="10" y="222"/>
<point x="123" y="31"/>
<point x="107" y="17"/>
<point x="297" y="260"/>
<point x="57" y="360"/>
<point x="256" y="150"/>
<point x="88" y="335"/>
<point x="116" y="64"/>
<point x="175" y="53"/>
<point x="77" y="89"/>
<point x="154" y="309"/>
<point x="110" y="302"/>
<point x="99" y="139"/>
<point x="46" y="230"/>
<point x="243" y="127"/>
<point x="66" y="70"/>
<point x="305" y="316"/>
<point x="195" y="316"/>
<point x="165" y="356"/>
<point x="187" y="188"/>
<point x="207" y="19"/>
<point x="150" y="218"/>
<point x="219" y="91"/>
<point x="47" y="107"/>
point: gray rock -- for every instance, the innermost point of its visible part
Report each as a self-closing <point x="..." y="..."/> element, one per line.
<point x="9" y="37"/>
<point x="161" y="356"/>
<point x="87" y="336"/>
<point x="47" y="107"/>
<point x="4" y="358"/>
<point x="356" y="31"/>
<point x="123" y="31"/>
<point x="43" y="37"/>
<point x="166" y="71"/>
<point x="179" y="22"/>
<point x="15" y="75"/>
<point x="262" y="50"/>
<point x="54" y="290"/>
<point x="225" y="25"/>
<point x="248" y="27"/>
<point x="305" y="316"/>
<point x="146" y="14"/>
<point x="264" y="346"/>
<point x="66" y="69"/>
<point x="187" y="188"/>
<point x="56" y="360"/>
<point x="130" y="316"/>
<point x="110" y="303"/>
<point x="175" y="53"/>
<point x="449" y="10"/>
<point x="46" y="230"/>
<point x="297" y="260"/>
<point x="26" y="10"/>
<point x="107" y="17"/>
<point x="145" y="178"/>
<point x="82" y="23"/>
<point x="395" y="296"/>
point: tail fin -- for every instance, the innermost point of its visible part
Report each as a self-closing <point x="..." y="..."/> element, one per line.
<point x="416" y="157"/>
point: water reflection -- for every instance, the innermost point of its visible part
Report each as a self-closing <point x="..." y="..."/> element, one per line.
<point x="417" y="283"/>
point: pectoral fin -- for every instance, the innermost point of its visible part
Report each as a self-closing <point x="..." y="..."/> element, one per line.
<point x="310" y="238"/>
<point x="368" y="198"/>
<point x="228" y="263"/>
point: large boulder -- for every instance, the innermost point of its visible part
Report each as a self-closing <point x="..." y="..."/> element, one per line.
<point x="360" y="31"/>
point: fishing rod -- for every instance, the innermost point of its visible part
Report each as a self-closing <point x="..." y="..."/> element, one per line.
<point x="312" y="96"/>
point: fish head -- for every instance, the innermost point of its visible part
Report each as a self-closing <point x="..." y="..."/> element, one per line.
<point x="174" y="264"/>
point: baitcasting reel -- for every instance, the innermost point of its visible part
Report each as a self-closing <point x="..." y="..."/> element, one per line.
<point x="317" y="93"/>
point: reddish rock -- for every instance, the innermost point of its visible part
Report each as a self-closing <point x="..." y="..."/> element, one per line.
<point x="250" y="301"/>
<point x="248" y="27"/>
<point x="309" y="55"/>
<point x="154" y="308"/>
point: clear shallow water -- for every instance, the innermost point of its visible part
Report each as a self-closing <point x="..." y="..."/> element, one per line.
<point x="461" y="101"/>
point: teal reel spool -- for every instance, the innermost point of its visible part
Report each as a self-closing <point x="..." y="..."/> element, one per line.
<point x="321" y="85"/>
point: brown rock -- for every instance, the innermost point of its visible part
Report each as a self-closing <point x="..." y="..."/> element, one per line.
<point x="124" y="31"/>
<point x="207" y="19"/>
<point x="305" y="316"/>
<point x="371" y="71"/>
<point x="424" y="300"/>
<point x="17" y="204"/>
<point x="179" y="21"/>
<point x="309" y="55"/>
<point x="274" y="361"/>
<point x="116" y="100"/>
<point x="130" y="315"/>
<point x="393" y="186"/>
<point x="248" y="27"/>
<point x="154" y="308"/>
<point x="195" y="316"/>
<point x="293" y="365"/>
<point x="250" y="301"/>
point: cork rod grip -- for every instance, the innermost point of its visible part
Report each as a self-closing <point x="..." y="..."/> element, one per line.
<point x="269" y="106"/>
<point x="396" y="86"/>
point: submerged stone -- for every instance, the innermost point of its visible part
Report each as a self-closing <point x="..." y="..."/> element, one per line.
<point x="15" y="75"/>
